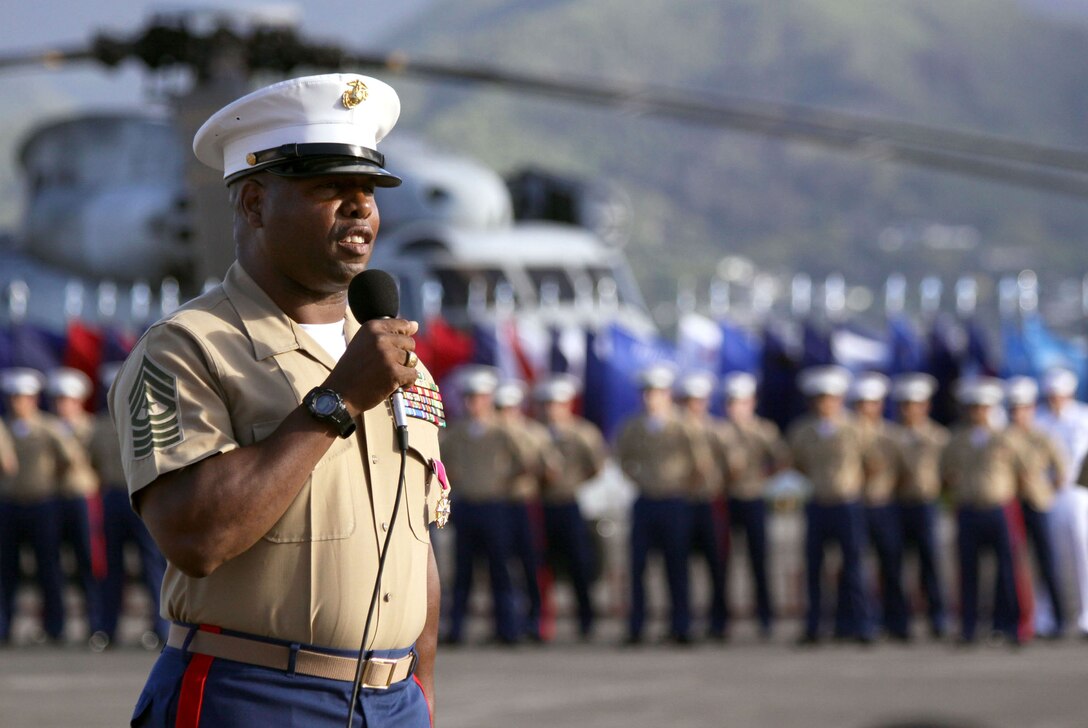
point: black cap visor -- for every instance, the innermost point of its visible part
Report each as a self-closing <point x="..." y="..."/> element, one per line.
<point x="310" y="160"/>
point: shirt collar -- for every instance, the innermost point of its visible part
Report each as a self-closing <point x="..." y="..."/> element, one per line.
<point x="270" y="330"/>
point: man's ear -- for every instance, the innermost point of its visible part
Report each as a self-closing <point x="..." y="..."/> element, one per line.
<point x="251" y="201"/>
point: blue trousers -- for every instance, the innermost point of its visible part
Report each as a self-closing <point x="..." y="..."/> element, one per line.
<point x="708" y="540"/>
<point x="1037" y="525"/>
<point x="523" y="544"/>
<point x="568" y="542"/>
<point x="885" y="532"/>
<point x="660" y="524"/>
<point x="750" y="517"/>
<point x="483" y="530"/>
<point x="75" y="530"/>
<point x="123" y="526"/>
<point x="247" y="696"/>
<point x="844" y="525"/>
<point x="987" y="528"/>
<point x="38" y="526"/>
<point x="919" y="522"/>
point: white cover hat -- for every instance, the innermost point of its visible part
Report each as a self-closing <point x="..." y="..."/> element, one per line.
<point x="559" y="388"/>
<point x="479" y="380"/>
<point x="913" y="387"/>
<point x="22" y="380"/>
<point x="983" y="391"/>
<point x="696" y="385"/>
<point x="869" y="387"/>
<point x="327" y="124"/>
<point x="739" y="385"/>
<point x="510" y="394"/>
<point x="1021" y="391"/>
<point x="831" y="380"/>
<point x="1060" y="382"/>
<point x="658" y="376"/>
<point x="68" y="382"/>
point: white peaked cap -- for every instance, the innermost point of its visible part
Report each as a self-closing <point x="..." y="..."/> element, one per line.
<point x="22" y="380"/>
<point x="559" y="388"/>
<point x="658" y="376"/>
<point x="327" y="124"/>
<point x="510" y="394"/>
<point x="1021" y="391"/>
<point x="833" y="380"/>
<point x="985" y="391"/>
<point x="739" y="385"/>
<point x="479" y="380"/>
<point x="913" y="387"/>
<point x="68" y="382"/>
<point x="1060" y="382"/>
<point x="869" y="386"/>
<point x="696" y="385"/>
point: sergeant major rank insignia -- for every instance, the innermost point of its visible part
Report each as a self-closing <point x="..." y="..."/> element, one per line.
<point x="355" y="95"/>
<point x="153" y="410"/>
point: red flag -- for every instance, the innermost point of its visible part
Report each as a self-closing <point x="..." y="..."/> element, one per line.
<point x="442" y="347"/>
<point x="83" y="351"/>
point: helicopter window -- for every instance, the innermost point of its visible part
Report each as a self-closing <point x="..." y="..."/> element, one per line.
<point x="462" y="286"/>
<point x="549" y="282"/>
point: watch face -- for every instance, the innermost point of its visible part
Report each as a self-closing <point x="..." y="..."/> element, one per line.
<point x="325" y="403"/>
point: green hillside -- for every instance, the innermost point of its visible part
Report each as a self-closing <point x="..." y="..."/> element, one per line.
<point x="700" y="194"/>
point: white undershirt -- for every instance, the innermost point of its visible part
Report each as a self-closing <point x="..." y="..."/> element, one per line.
<point x="330" y="336"/>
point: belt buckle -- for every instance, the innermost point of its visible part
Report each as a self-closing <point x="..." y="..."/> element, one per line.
<point x="378" y="673"/>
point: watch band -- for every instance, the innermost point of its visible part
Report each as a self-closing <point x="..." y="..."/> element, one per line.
<point x="326" y="405"/>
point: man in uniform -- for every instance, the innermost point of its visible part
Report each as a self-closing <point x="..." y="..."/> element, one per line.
<point x="663" y="458"/>
<point x="922" y="441"/>
<point x="122" y="526"/>
<point x="35" y="460"/>
<point x="580" y="452"/>
<point x="79" y="504"/>
<point x="884" y="471"/>
<point x="983" y="468"/>
<point x="1066" y="421"/>
<point x="483" y="459"/>
<point x="261" y="450"/>
<point x="1045" y="474"/>
<point x="828" y="449"/>
<point x="524" y="516"/>
<point x="707" y="504"/>
<point x="761" y="452"/>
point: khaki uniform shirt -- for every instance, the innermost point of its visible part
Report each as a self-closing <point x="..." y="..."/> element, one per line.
<point x="664" y="460"/>
<point x="760" y="449"/>
<point x="581" y="453"/>
<point x="482" y="459"/>
<point x="721" y="450"/>
<point x="105" y="454"/>
<point x="982" y="473"/>
<point x="921" y="447"/>
<point x="44" y="452"/>
<point x="884" y="462"/>
<point x="80" y="480"/>
<point x="831" y="456"/>
<point x="222" y="373"/>
<point x="1045" y="468"/>
<point x="533" y="440"/>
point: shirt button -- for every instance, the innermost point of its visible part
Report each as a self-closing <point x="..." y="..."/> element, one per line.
<point x="385" y="526"/>
<point x="387" y="597"/>
<point x="374" y="459"/>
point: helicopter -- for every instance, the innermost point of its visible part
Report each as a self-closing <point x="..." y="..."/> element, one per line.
<point x="457" y="235"/>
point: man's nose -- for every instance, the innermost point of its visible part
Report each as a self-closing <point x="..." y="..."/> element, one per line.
<point x="359" y="204"/>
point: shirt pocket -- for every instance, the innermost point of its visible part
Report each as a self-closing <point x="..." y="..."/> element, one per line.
<point x="324" y="509"/>
<point x="421" y="484"/>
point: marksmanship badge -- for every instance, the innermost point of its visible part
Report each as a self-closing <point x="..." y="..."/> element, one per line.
<point x="153" y="410"/>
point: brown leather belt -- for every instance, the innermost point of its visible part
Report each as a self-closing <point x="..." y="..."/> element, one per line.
<point x="378" y="672"/>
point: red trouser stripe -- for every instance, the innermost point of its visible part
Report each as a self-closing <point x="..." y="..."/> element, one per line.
<point x="429" y="714"/>
<point x="1021" y="570"/>
<point x="98" y="536"/>
<point x="192" y="687"/>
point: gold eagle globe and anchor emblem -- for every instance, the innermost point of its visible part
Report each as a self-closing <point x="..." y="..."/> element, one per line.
<point x="355" y="95"/>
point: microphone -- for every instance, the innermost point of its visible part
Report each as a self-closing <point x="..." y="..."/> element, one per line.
<point x="373" y="294"/>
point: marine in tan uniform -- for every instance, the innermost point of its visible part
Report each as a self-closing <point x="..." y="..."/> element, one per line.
<point x="525" y="517"/>
<point x="983" y="469"/>
<point x="483" y="460"/>
<point x="259" y="444"/>
<point x="1045" y="476"/>
<point x="828" y="448"/>
<point x="707" y="499"/>
<point x="29" y="505"/>
<point x="760" y="451"/>
<point x="123" y="528"/>
<point x="664" y="459"/>
<point x="883" y="473"/>
<point x="80" y="503"/>
<point x="580" y="452"/>
<point x="921" y="442"/>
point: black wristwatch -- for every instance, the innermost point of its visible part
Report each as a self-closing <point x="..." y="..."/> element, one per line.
<point x="327" y="405"/>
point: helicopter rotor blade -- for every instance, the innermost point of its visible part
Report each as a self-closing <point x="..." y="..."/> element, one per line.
<point x="49" y="59"/>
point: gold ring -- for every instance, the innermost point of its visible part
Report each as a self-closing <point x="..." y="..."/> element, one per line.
<point x="411" y="359"/>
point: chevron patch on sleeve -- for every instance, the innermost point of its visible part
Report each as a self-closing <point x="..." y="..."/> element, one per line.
<point x="153" y="410"/>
